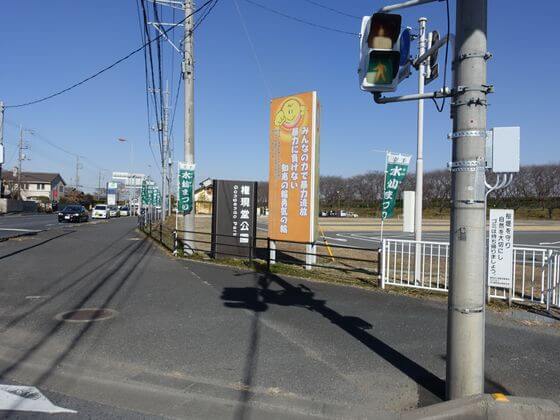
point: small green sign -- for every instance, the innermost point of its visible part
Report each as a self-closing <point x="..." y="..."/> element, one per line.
<point x="395" y="172"/>
<point x="185" y="188"/>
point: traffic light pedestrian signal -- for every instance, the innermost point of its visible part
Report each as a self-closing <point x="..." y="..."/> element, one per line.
<point x="380" y="55"/>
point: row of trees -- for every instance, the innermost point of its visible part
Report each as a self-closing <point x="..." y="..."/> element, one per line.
<point x="536" y="186"/>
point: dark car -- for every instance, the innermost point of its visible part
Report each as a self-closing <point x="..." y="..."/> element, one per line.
<point x="73" y="213"/>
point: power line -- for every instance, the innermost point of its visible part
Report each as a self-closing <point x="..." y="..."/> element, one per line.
<point x="41" y="137"/>
<point x="205" y="15"/>
<point x="252" y="46"/>
<point x="297" y="19"/>
<point x="109" y="67"/>
<point x="340" y="12"/>
<point x="142" y="27"/>
<point x="440" y="108"/>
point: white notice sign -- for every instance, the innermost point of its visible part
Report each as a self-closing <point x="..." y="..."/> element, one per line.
<point x="500" y="248"/>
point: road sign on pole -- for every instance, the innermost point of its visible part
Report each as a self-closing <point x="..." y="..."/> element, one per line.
<point x="500" y="248"/>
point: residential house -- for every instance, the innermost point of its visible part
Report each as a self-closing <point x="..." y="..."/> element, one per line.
<point x="203" y="197"/>
<point x="38" y="186"/>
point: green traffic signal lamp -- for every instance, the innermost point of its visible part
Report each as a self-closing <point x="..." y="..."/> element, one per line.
<point x="382" y="67"/>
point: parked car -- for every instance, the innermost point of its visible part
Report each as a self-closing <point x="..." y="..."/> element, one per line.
<point x="113" y="211"/>
<point x="73" y="213"/>
<point x="124" y="211"/>
<point x="100" y="211"/>
<point x="351" y="214"/>
<point x="323" y="213"/>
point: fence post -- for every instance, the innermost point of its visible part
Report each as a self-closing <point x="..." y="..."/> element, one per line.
<point x="174" y="241"/>
<point x="310" y="256"/>
<point x="251" y="248"/>
<point x="268" y="254"/>
<point x="271" y="252"/>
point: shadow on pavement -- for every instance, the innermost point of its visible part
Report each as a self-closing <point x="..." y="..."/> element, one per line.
<point x="123" y="266"/>
<point x="258" y="299"/>
<point x="19" y="251"/>
<point x="56" y="293"/>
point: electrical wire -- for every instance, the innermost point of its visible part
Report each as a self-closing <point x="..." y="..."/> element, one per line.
<point x="151" y="91"/>
<point x="142" y="27"/>
<point x="440" y="108"/>
<point x="257" y="61"/>
<point x="205" y="15"/>
<point x="176" y="102"/>
<point x="340" y="12"/>
<point x="109" y="67"/>
<point x="297" y="19"/>
<point x="160" y="76"/>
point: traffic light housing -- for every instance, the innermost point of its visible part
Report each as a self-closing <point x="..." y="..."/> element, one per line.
<point x="380" y="55"/>
<point x="432" y="67"/>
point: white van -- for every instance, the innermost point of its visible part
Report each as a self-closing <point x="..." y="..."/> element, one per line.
<point x="100" y="211"/>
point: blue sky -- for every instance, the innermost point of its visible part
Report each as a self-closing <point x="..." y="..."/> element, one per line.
<point x="48" y="45"/>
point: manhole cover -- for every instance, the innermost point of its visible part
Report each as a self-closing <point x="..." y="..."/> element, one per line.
<point x="86" y="315"/>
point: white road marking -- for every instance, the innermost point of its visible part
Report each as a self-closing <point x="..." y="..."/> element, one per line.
<point x="20" y="230"/>
<point x="27" y="398"/>
<point x="335" y="239"/>
<point x="33" y="297"/>
<point x="549" y="243"/>
<point x="359" y="237"/>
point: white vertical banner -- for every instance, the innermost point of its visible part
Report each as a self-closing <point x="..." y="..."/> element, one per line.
<point x="500" y="248"/>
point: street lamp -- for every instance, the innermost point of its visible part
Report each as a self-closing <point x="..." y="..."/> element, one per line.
<point x="130" y="200"/>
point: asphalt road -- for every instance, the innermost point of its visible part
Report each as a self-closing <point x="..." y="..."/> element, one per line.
<point x="17" y="224"/>
<point x="372" y="239"/>
<point x="194" y="340"/>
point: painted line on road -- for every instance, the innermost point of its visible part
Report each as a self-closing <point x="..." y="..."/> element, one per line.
<point x="20" y="230"/>
<point x="335" y="239"/>
<point x="549" y="243"/>
<point x="27" y="398"/>
<point x="361" y="238"/>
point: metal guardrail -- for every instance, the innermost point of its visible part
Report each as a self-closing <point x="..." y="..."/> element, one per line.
<point x="536" y="271"/>
<point x="339" y="257"/>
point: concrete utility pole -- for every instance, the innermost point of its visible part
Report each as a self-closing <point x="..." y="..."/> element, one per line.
<point x="1" y="145"/>
<point x="465" y="325"/>
<point x="99" y="186"/>
<point x="420" y="151"/>
<point x="21" y="157"/>
<point x="165" y="152"/>
<point x="78" y="167"/>
<point x="188" y="77"/>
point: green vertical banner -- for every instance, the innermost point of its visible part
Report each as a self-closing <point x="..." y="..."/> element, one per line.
<point x="395" y="172"/>
<point x="185" y="187"/>
<point x="144" y="193"/>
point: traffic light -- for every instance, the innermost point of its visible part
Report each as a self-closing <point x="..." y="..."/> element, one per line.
<point x="380" y="55"/>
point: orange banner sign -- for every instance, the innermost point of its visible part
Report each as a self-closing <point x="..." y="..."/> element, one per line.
<point x="294" y="168"/>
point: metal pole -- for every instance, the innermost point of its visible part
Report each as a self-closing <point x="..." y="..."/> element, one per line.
<point x="465" y="321"/>
<point x="1" y="144"/>
<point x="132" y="193"/>
<point x="419" y="151"/>
<point x="188" y="76"/>
<point x="384" y="184"/>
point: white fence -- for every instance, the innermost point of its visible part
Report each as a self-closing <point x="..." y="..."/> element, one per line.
<point x="536" y="271"/>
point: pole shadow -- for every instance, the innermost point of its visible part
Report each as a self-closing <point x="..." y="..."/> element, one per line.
<point x="260" y="297"/>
